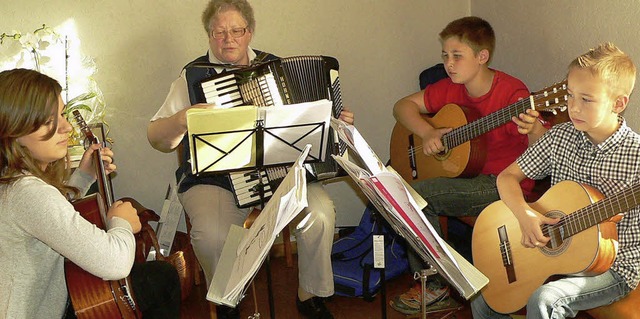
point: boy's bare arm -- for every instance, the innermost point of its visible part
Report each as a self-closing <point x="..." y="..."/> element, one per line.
<point x="407" y="112"/>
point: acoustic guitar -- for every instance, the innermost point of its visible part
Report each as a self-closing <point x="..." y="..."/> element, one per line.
<point x="583" y="242"/>
<point x="465" y="148"/>
<point x="93" y="297"/>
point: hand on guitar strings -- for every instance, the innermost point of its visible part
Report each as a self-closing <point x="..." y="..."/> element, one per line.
<point x="534" y="228"/>
<point x="527" y="121"/>
<point x="126" y="211"/>
<point x="432" y="140"/>
<point x="87" y="163"/>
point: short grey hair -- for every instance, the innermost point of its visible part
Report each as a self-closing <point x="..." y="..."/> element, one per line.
<point x="216" y="6"/>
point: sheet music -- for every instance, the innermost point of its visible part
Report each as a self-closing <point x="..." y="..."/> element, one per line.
<point x="391" y="196"/>
<point x="221" y="138"/>
<point x="285" y="137"/>
<point x="227" y="139"/>
<point x="356" y="142"/>
<point x="245" y="250"/>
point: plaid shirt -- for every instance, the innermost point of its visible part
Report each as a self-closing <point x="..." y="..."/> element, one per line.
<point x="611" y="167"/>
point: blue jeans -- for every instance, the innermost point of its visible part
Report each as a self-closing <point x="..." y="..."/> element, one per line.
<point x="453" y="197"/>
<point x="564" y="297"/>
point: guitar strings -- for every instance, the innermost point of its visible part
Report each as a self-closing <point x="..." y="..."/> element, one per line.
<point x="557" y="99"/>
<point x="469" y="131"/>
<point x="593" y="214"/>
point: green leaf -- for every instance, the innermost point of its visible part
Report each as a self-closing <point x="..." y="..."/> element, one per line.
<point x="82" y="107"/>
<point x="81" y="97"/>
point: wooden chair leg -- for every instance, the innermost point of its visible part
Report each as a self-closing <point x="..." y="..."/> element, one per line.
<point x="286" y="241"/>
<point x="213" y="314"/>
<point x="197" y="271"/>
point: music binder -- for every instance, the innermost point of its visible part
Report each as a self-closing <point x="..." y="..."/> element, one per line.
<point x="400" y="205"/>
<point x="225" y="140"/>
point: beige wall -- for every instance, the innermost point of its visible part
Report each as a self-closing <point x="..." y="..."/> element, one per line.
<point x="537" y="39"/>
<point x="141" y="46"/>
<point x="382" y="45"/>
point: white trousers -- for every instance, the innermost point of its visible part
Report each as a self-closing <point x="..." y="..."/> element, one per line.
<point x="212" y="210"/>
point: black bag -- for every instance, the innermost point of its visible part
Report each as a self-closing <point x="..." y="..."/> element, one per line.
<point x="354" y="274"/>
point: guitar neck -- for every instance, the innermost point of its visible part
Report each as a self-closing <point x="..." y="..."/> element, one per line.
<point x="595" y="213"/>
<point x="548" y="99"/>
<point x="485" y="124"/>
<point x="103" y="180"/>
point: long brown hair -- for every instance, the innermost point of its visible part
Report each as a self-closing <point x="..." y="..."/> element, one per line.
<point x="28" y="99"/>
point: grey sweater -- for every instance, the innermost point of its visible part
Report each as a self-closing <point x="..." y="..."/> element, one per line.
<point x="38" y="229"/>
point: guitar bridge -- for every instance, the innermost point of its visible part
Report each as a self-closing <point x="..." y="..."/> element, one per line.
<point x="507" y="257"/>
<point x="412" y="157"/>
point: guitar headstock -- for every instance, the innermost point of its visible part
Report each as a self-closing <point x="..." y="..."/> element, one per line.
<point x="88" y="134"/>
<point x="551" y="98"/>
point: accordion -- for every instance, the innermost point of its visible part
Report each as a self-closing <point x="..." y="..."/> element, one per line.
<point x="289" y="80"/>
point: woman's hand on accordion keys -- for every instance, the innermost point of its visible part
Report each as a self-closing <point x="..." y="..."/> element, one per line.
<point x="347" y="116"/>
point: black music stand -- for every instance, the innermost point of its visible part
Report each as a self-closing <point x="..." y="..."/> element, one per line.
<point x="268" y="136"/>
<point x="395" y="202"/>
<point x="248" y="137"/>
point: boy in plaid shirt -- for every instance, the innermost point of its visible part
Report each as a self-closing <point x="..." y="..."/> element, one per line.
<point x="595" y="148"/>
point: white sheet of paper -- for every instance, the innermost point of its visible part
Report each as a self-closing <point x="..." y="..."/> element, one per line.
<point x="239" y="264"/>
<point x="288" y="128"/>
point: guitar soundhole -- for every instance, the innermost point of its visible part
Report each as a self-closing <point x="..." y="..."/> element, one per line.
<point x="558" y="244"/>
<point x="444" y="155"/>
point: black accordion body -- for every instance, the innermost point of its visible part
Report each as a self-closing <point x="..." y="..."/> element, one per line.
<point x="289" y="80"/>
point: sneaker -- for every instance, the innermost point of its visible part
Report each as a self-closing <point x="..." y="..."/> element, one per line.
<point x="408" y="303"/>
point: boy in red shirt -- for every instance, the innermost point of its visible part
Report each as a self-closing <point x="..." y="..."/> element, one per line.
<point x="467" y="47"/>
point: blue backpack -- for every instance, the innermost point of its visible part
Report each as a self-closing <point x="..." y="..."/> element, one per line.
<point x="352" y="258"/>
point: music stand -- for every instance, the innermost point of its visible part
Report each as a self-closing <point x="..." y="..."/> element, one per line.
<point x="247" y="137"/>
<point x="398" y="203"/>
<point x="251" y="137"/>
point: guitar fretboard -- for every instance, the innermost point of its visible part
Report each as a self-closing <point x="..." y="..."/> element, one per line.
<point x="594" y="214"/>
<point x="545" y="100"/>
<point x="485" y="124"/>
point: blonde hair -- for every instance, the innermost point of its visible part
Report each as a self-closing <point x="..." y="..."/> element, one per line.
<point x="611" y="65"/>
<point x="473" y="31"/>
<point x="28" y="99"/>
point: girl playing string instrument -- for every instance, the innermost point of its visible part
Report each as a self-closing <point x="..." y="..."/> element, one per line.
<point x="39" y="227"/>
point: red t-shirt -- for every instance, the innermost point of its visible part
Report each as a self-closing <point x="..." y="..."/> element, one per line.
<point x="504" y="143"/>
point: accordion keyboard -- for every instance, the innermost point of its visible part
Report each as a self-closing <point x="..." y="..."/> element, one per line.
<point x="257" y="88"/>
<point x="246" y="184"/>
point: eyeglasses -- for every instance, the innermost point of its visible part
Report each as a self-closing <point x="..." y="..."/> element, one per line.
<point x="234" y="33"/>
